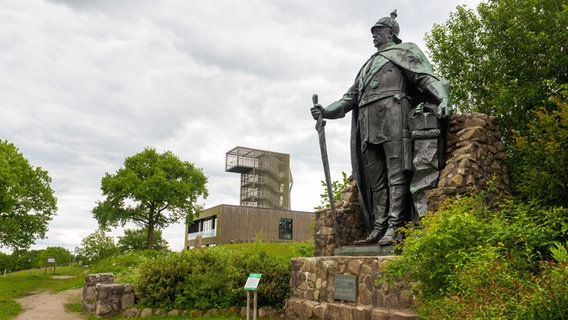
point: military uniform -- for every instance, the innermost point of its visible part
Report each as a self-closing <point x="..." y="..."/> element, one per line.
<point x="385" y="90"/>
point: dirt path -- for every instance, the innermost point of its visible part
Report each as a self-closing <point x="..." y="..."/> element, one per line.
<point x="48" y="306"/>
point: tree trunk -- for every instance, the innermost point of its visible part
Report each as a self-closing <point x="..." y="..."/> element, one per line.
<point x="150" y="241"/>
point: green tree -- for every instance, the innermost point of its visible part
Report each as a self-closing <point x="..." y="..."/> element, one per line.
<point x="97" y="246"/>
<point x="136" y="239"/>
<point x="62" y="256"/>
<point x="336" y="187"/>
<point x="7" y="262"/>
<point x="27" y="203"/>
<point x="542" y="161"/>
<point x="25" y="259"/>
<point x="504" y="59"/>
<point x="152" y="190"/>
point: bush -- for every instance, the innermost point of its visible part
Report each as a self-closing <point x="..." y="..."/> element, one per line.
<point x="214" y="277"/>
<point x="444" y="242"/>
<point x="549" y="298"/>
<point x="490" y="288"/>
<point x="125" y="267"/>
<point x="539" y="161"/>
<point x="470" y="261"/>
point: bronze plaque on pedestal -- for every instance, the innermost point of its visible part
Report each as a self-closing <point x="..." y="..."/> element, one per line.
<point x="345" y="288"/>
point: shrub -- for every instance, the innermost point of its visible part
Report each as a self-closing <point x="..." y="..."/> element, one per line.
<point x="162" y="278"/>
<point x="470" y="261"/>
<point x="490" y="288"/>
<point x="125" y="267"/>
<point x="445" y="241"/>
<point x="540" y="160"/>
<point x="549" y="299"/>
<point x="214" y="277"/>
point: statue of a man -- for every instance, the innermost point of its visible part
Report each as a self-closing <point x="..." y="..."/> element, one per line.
<point x="383" y="100"/>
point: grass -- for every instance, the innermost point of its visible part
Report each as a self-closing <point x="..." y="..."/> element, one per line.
<point x="17" y="284"/>
<point x="9" y="309"/>
<point x="284" y="251"/>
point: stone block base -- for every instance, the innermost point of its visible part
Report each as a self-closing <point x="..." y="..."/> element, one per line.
<point x="312" y="286"/>
<point x="104" y="298"/>
<point x="112" y="299"/>
<point x="89" y="289"/>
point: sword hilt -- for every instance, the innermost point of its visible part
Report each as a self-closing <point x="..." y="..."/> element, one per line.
<point x="320" y="122"/>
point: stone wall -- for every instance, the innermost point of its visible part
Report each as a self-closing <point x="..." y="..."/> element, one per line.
<point x="349" y="221"/>
<point x="103" y="298"/>
<point x="475" y="155"/>
<point x="89" y="289"/>
<point x="312" y="286"/>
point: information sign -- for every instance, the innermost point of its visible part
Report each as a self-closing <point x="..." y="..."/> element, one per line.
<point x="252" y="281"/>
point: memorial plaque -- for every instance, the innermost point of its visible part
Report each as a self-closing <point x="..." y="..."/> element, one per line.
<point x="345" y="288"/>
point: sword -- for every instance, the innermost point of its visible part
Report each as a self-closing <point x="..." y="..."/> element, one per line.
<point x="320" y="127"/>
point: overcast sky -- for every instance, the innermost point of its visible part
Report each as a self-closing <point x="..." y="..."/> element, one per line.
<point x="87" y="83"/>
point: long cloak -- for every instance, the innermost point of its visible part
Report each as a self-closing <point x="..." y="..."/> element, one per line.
<point x="411" y="59"/>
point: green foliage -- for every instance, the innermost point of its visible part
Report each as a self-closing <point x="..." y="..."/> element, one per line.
<point x="152" y="190"/>
<point x="444" y="241"/>
<point x="505" y="58"/>
<point x="549" y="297"/>
<point x="214" y="277"/>
<point x="336" y="187"/>
<point x="25" y="259"/>
<point x="27" y="203"/>
<point x="136" y="239"/>
<point x="559" y="252"/>
<point x="7" y="262"/>
<point x="9" y="309"/>
<point x="97" y="246"/>
<point x="125" y="266"/>
<point x="541" y="157"/>
<point x="472" y="261"/>
<point x="62" y="256"/>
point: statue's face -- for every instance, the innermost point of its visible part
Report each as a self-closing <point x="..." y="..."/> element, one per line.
<point x="381" y="36"/>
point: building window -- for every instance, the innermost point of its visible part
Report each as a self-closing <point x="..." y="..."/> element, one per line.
<point x="285" y="228"/>
<point x="206" y="228"/>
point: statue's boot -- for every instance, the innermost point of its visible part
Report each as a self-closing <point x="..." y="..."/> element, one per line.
<point x="380" y="201"/>
<point x="398" y="209"/>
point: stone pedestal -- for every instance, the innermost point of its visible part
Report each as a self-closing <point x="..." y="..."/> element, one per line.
<point x="104" y="298"/>
<point x="113" y="299"/>
<point x="90" y="292"/>
<point x="313" y="282"/>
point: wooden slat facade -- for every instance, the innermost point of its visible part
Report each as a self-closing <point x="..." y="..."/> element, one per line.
<point x="236" y="224"/>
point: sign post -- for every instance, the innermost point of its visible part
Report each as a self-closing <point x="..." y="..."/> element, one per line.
<point x="51" y="263"/>
<point x="252" y="285"/>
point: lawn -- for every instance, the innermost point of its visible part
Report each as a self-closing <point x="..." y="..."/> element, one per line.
<point x="17" y="284"/>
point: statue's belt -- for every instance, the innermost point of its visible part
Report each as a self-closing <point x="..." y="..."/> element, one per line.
<point x="397" y="94"/>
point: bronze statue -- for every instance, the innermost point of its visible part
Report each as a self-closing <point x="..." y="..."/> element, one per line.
<point x="399" y="106"/>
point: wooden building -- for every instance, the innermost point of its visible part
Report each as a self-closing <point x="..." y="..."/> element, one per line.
<point x="225" y="224"/>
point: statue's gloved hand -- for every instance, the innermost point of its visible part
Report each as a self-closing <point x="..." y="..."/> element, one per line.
<point x="317" y="111"/>
<point x="444" y="109"/>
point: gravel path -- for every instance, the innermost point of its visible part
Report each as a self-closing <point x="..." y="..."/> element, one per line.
<point x="48" y="306"/>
